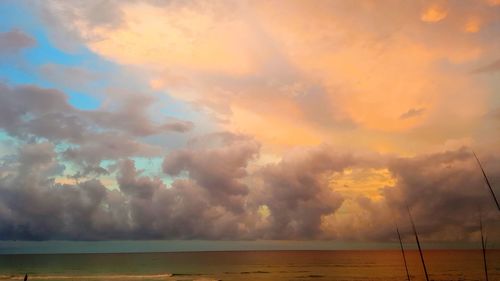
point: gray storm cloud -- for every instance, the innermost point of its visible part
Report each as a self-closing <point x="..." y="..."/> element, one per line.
<point x="219" y="170"/>
<point x="443" y="191"/>
<point x="217" y="188"/>
<point x="298" y="194"/>
<point x="211" y="203"/>
<point x="34" y="207"/>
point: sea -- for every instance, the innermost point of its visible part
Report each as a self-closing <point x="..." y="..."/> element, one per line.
<point x="342" y="265"/>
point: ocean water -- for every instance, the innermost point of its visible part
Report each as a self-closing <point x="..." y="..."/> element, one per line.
<point x="251" y="265"/>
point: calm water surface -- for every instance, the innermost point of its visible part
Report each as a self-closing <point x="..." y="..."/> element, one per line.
<point x="248" y="265"/>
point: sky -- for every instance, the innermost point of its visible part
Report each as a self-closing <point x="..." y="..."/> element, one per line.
<point x="248" y="120"/>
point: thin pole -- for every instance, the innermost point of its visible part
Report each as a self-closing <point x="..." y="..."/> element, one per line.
<point x="404" y="256"/>
<point x="418" y="244"/>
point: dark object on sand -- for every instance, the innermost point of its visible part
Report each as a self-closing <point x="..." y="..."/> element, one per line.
<point x="487" y="181"/>
<point x="418" y="244"/>
<point x="403" y="252"/>
<point x="25" y="276"/>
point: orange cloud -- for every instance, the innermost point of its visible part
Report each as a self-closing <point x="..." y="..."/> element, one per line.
<point x="493" y="2"/>
<point x="472" y="25"/>
<point x="434" y="14"/>
<point x="291" y="73"/>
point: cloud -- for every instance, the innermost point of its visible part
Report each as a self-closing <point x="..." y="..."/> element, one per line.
<point x="68" y="76"/>
<point x="134" y="108"/>
<point x="298" y="194"/>
<point x="56" y="14"/>
<point x="493" y="2"/>
<point x="434" y="14"/>
<point x="109" y="146"/>
<point x="327" y="65"/>
<point x="278" y="85"/>
<point x="473" y="25"/>
<point x="14" y="41"/>
<point x="177" y="126"/>
<point x="489" y="68"/>
<point x="294" y="198"/>
<point x="219" y="170"/>
<point x="213" y="203"/>
<point x="29" y="112"/>
<point x="412" y="112"/>
<point x="25" y="107"/>
<point x="445" y="192"/>
<point x="34" y="207"/>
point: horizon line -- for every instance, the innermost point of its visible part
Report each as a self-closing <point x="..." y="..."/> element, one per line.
<point x="183" y="246"/>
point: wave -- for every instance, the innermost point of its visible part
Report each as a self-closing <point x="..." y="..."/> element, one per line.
<point x="248" y="272"/>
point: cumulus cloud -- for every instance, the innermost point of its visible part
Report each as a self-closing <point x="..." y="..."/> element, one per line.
<point x="294" y="198"/>
<point x="444" y="191"/>
<point x="34" y="207"/>
<point x="298" y="193"/>
<point x="212" y="203"/>
<point x="219" y="170"/>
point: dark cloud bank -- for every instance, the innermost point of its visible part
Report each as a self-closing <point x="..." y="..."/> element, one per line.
<point x="217" y="191"/>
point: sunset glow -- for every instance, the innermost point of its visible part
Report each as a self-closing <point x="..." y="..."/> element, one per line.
<point x="248" y="120"/>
